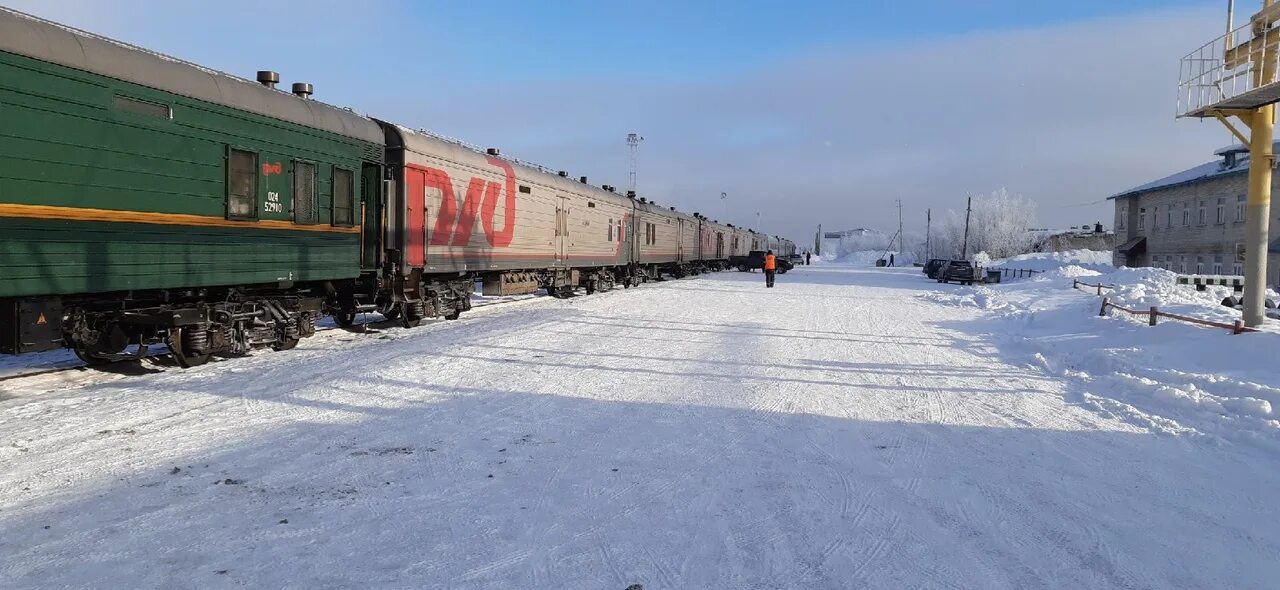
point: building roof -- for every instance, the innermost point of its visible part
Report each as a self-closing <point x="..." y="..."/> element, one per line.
<point x="1199" y="173"/>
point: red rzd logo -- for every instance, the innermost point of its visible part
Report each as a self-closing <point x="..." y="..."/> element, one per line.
<point x="454" y="227"/>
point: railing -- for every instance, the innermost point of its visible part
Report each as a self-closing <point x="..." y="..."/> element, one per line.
<point x="1077" y="283"/>
<point x="1224" y="69"/>
<point x="1016" y="273"/>
<point x="1154" y="313"/>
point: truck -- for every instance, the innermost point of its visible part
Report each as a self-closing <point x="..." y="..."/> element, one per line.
<point x="754" y="260"/>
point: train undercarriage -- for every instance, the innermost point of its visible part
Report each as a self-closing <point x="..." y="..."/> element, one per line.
<point x="198" y="324"/>
<point x="194" y="324"/>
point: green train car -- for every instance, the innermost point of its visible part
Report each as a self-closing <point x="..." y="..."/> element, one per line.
<point x="147" y="200"/>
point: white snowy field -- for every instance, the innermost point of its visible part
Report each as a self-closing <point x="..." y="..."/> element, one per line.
<point x="853" y="427"/>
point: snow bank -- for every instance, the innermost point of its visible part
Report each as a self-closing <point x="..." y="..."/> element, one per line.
<point x="1094" y="260"/>
<point x="1174" y="378"/>
<point x="869" y="258"/>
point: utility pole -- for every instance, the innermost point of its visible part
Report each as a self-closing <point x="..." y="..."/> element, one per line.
<point x="817" y="241"/>
<point x="1238" y="80"/>
<point x="928" y="234"/>
<point x="633" y="141"/>
<point x="899" y="228"/>
<point x="964" y="252"/>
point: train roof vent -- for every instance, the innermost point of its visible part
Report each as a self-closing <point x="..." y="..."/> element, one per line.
<point x="303" y="89"/>
<point x="673" y="208"/>
<point x="563" y="174"/>
<point x="268" y="78"/>
<point x="582" y="179"/>
<point x="492" y="151"/>
<point x="631" y="194"/>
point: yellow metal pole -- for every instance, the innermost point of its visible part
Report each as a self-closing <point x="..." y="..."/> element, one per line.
<point x="1261" y="160"/>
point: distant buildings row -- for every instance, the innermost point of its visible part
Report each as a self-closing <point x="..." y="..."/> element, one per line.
<point x="1192" y="221"/>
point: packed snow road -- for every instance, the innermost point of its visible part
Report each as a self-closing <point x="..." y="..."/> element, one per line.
<point x="836" y="431"/>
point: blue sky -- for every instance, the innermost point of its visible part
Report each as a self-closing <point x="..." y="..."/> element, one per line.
<point x="671" y="38"/>
<point x="813" y="112"/>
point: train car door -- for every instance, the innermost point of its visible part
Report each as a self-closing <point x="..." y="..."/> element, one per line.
<point x="680" y="242"/>
<point x="370" y="213"/>
<point x="562" y="229"/>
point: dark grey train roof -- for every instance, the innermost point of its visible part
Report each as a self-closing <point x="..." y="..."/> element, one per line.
<point x="44" y="40"/>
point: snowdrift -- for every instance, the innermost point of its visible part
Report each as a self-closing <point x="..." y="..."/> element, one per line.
<point x="1174" y="378"/>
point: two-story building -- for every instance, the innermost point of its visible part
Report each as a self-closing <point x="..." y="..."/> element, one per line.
<point x="1193" y="221"/>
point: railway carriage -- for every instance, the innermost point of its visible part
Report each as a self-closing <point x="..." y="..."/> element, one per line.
<point x="144" y="199"/>
<point x="458" y="214"/>
<point x="147" y="200"/>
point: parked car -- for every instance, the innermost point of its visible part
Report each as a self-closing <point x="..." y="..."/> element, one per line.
<point x="932" y="267"/>
<point x="754" y="260"/>
<point x="959" y="271"/>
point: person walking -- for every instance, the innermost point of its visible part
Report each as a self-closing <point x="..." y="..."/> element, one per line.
<point x="807" y="254"/>
<point x="770" y="267"/>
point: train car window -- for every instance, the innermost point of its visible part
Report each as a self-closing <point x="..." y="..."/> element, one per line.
<point x="343" y="198"/>
<point x="611" y="230"/>
<point x="242" y="184"/>
<point x="304" y="192"/>
<point x="525" y="189"/>
<point x="142" y="107"/>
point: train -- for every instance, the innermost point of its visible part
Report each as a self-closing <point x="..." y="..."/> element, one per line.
<point x="146" y="201"/>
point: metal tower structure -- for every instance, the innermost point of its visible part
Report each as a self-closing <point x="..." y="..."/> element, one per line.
<point x="1235" y="76"/>
<point x="633" y="142"/>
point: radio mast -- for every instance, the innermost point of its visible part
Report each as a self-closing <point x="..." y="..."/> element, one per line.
<point x="633" y="141"/>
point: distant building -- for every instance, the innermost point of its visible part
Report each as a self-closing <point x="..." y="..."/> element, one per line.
<point x="858" y="239"/>
<point x="1192" y="221"/>
<point x="1085" y="237"/>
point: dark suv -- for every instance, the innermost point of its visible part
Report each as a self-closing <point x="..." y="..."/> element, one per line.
<point x="960" y="271"/>
<point x="932" y="267"/>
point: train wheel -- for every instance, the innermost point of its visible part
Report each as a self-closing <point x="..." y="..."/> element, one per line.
<point x="187" y="359"/>
<point x="452" y="315"/>
<point x="345" y="318"/>
<point x="89" y="358"/>
<point x="392" y="312"/>
<point x="285" y="345"/>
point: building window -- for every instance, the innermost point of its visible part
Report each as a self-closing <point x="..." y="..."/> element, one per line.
<point x="304" y="192"/>
<point x="1182" y="263"/>
<point x="1240" y="205"/>
<point x="1199" y="264"/>
<point x="1217" y="264"/>
<point x="242" y="184"/>
<point x="344" y="205"/>
<point x="1237" y="269"/>
<point x="1222" y="210"/>
<point x="1142" y="218"/>
<point x="1168" y="216"/>
<point x="1201" y="219"/>
<point x="1124" y="217"/>
<point x="1186" y="213"/>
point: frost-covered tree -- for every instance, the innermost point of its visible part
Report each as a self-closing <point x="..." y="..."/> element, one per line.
<point x="998" y="226"/>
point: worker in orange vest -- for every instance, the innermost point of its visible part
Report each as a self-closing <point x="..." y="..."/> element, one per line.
<point x="770" y="267"/>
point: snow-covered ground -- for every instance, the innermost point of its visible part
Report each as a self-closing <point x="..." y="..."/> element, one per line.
<point x="853" y="427"/>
